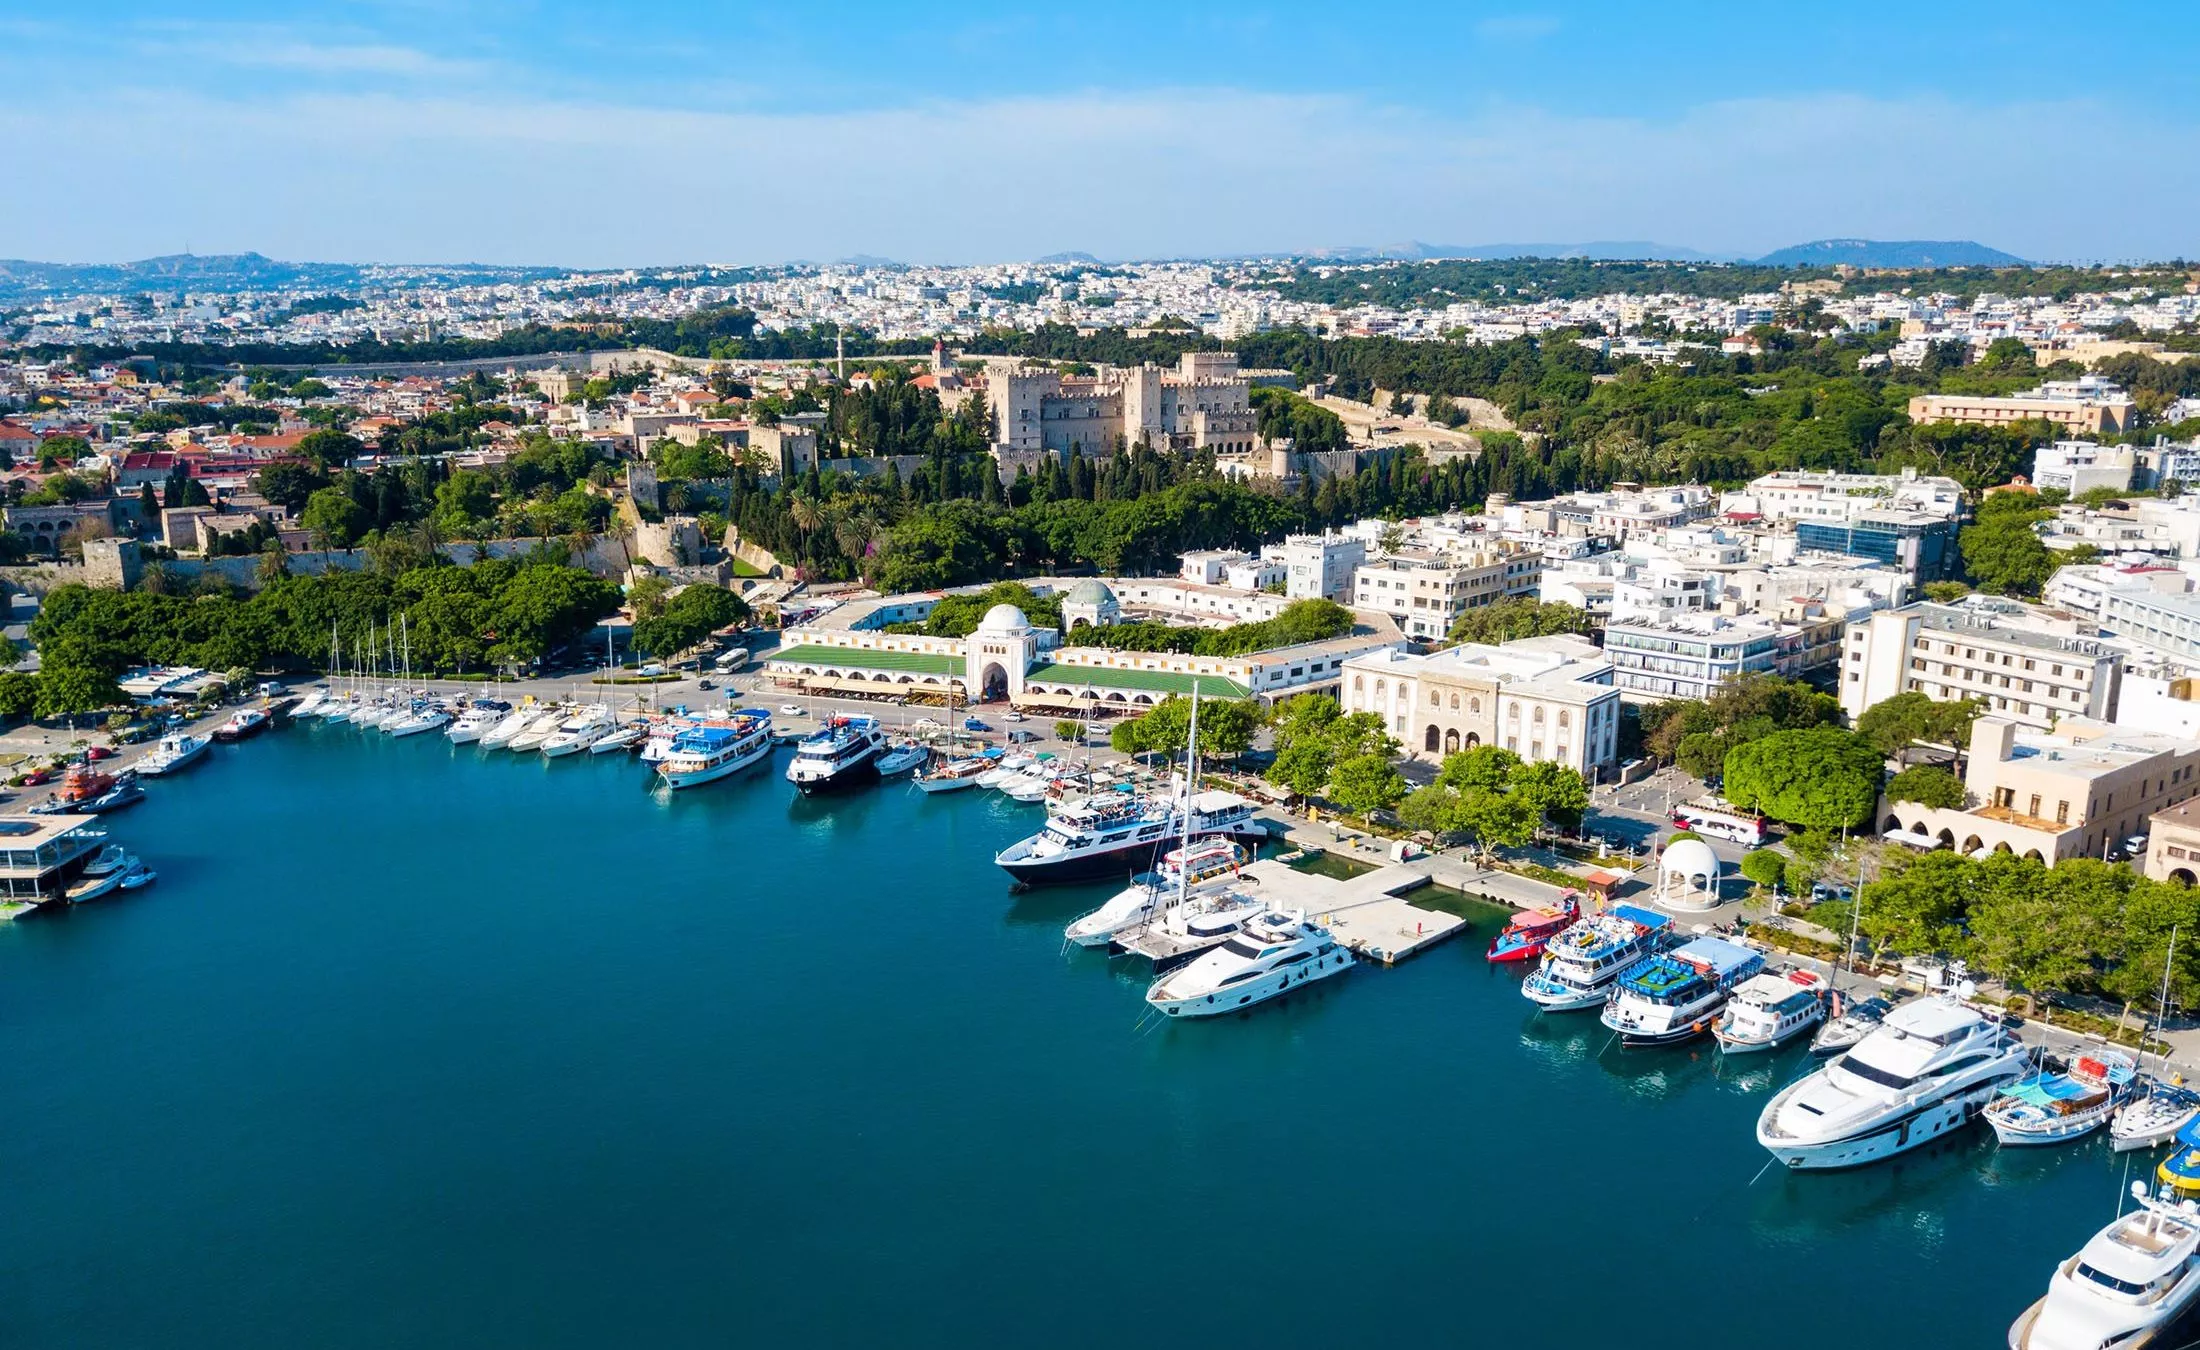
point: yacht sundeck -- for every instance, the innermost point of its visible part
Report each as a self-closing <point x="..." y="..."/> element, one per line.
<point x="1930" y="1067"/>
<point x="1580" y="964"/>
<point x="2132" y="1280"/>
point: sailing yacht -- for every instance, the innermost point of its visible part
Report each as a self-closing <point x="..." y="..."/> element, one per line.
<point x="416" y="719"/>
<point x="2135" y="1277"/>
<point x="1269" y="956"/>
<point x="1205" y="871"/>
<point x="1928" y="1069"/>
<point x="2162" y="1105"/>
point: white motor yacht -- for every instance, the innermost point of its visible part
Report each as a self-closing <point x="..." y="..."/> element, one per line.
<point x="112" y="858"/>
<point x="1202" y="872"/>
<point x="1924" y="1073"/>
<point x="337" y="708"/>
<point x="138" y="876"/>
<point x="904" y="758"/>
<point x="1851" y="1022"/>
<point x="1769" y="1010"/>
<point x="578" y="732"/>
<point x="2154" y="1116"/>
<point x="1268" y="956"/>
<point x="542" y="728"/>
<point x="174" y="752"/>
<point x="310" y="703"/>
<point x="618" y="738"/>
<point x="2136" y="1277"/>
<point x="473" y="724"/>
<point x="500" y="735"/>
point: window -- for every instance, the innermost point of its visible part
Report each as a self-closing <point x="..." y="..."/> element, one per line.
<point x="2035" y="811"/>
<point x="2062" y="813"/>
<point x="1355" y="684"/>
<point x="1455" y="702"/>
<point x="1474" y="705"/>
<point x="1565" y="719"/>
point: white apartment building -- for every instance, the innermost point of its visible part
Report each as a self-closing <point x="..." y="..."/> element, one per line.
<point x="2081" y="466"/>
<point x="2033" y="666"/>
<point x="1688" y="657"/>
<point x="1547" y="699"/>
<point x="1317" y="566"/>
<point x="1816" y="495"/>
<point x="2088" y="405"/>
<point x="1426" y="593"/>
<point x="2168" y="461"/>
<point x="2082" y="588"/>
<point x="2158" y="620"/>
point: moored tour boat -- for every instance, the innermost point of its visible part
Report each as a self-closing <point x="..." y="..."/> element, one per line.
<point x="1673" y="996"/>
<point x="1768" y="1010"/>
<point x="706" y="754"/>
<point x="1531" y="930"/>
<point x="2052" y="1106"/>
<point x="1580" y="963"/>
<point x="844" y="753"/>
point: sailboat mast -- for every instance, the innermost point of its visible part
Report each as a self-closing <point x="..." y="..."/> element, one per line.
<point x="2161" y="1007"/>
<point x="1191" y="775"/>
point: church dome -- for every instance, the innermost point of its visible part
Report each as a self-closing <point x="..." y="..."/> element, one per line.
<point x="1004" y="619"/>
<point x="1090" y="591"/>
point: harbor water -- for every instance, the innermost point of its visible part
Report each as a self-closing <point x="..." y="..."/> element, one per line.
<point x="423" y="1046"/>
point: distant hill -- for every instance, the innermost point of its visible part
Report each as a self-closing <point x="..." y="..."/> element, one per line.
<point x="1891" y="253"/>
<point x="867" y="260"/>
<point x="1605" y="250"/>
<point x="218" y="272"/>
<point x="1073" y="256"/>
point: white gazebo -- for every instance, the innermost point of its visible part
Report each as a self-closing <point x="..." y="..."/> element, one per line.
<point x="1688" y="875"/>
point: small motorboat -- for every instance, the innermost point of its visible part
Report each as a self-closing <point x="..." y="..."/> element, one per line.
<point x="954" y="775"/>
<point x="173" y="753"/>
<point x="125" y="792"/>
<point x="903" y="758"/>
<point x="91" y="888"/>
<point x="1850" y="1024"/>
<point x="242" y="725"/>
<point x="1531" y="930"/>
<point x="2056" y="1106"/>
<point x="2154" y="1116"/>
<point x="138" y="876"/>
<point x="112" y="858"/>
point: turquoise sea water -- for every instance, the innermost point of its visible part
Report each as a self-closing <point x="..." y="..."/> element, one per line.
<point x="431" y="1047"/>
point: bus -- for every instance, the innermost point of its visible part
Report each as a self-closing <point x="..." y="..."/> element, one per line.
<point x="1721" y="820"/>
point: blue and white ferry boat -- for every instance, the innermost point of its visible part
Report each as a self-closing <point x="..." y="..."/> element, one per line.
<point x="708" y="753"/>
<point x="1581" y="963"/>
<point x="842" y="754"/>
<point x="1673" y="996"/>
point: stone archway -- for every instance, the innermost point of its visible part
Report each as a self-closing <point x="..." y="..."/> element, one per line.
<point x="1947" y="838"/>
<point x="1972" y="844"/>
<point x="1892" y="825"/>
<point x="1474" y="738"/>
<point x="1428" y="742"/>
<point x="2183" y="876"/>
<point x="1920" y="830"/>
<point x="2033" y="855"/>
<point x="992" y="682"/>
<point x="1451" y="741"/>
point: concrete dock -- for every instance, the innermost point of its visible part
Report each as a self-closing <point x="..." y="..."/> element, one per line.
<point x="1366" y="913"/>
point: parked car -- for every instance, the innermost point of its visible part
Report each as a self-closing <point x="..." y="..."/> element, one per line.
<point x="791" y="710"/>
<point x="706" y="684"/>
<point x="99" y="752"/>
<point x="38" y="777"/>
<point x="1015" y="717"/>
<point x="1021" y="737"/>
<point x="973" y="724"/>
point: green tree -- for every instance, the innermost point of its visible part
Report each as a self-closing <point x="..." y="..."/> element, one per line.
<point x="1067" y="729"/>
<point x="1917" y="907"/>
<point x="1497" y="819"/>
<point x="1893" y="725"/>
<point x="333" y="519"/>
<point x="329" y="449"/>
<point x="1433" y="810"/>
<point x="1765" y="867"/>
<point x="1507" y="620"/>
<point x="1483" y="766"/>
<point x="68" y="690"/>
<point x="18" y="694"/>
<point x="1366" y="783"/>
<point x="2004" y="555"/>
<point x="1820" y="777"/>
<point x="289" y="486"/>
<point x="1553" y="792"/>
<point x="1927" y="785"/>
<point x="2043" y="931"/>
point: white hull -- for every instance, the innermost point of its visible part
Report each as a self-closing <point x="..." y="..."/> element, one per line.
<point x="1917" y="1129"/>
<point x="617" y="740"/>
<point x="1252" y="993"/>
<point x="688" y="778"/>
<point x="415" y="726"/>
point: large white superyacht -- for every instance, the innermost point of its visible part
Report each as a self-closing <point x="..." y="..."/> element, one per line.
<point x="1928" y="1069"/>
<point x="2135" y="1278"/>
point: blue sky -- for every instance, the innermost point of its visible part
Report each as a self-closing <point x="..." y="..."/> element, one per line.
<point x="598" y="134"/>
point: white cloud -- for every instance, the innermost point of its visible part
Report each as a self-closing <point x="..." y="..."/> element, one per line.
<point x="1187" y="172"/>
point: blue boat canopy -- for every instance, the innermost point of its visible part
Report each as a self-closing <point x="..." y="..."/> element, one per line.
<point x="1647" y="918"/>
<point x="2190" y="1135"/>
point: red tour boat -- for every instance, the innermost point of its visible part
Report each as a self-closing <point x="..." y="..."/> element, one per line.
<point x="1531" y="930"/>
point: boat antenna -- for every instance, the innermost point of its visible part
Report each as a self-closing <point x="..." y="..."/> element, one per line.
<point x="2161" y="1008"/>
